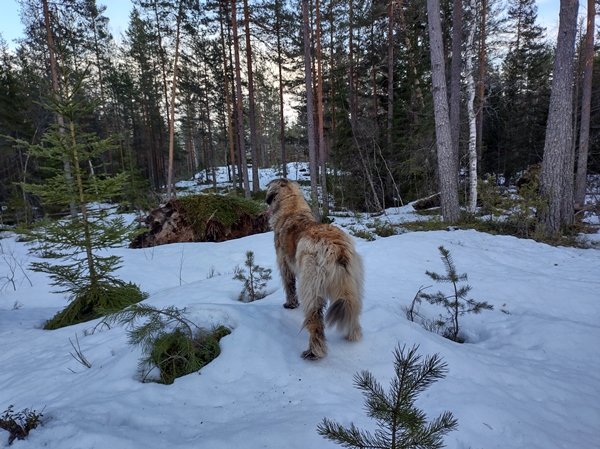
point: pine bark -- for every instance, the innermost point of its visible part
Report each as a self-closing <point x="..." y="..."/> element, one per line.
<point x="172" y="107"/>
<point x="455" y="70"/>
<point x="251" y="103"/>
<point x="239" y="108"/>
<point x="586" y="101"/>
<point x="321" y="132"/>
<point x="390" y="92"/>
<point x="447" y="162"/>
<point x="556" y="180"/>
<point x="312" y="150"/>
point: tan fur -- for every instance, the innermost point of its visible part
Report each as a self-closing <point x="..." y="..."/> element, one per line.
<point x="323" y="260"/>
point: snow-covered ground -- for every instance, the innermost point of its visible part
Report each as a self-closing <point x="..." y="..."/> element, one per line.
<point x="527" y="377"/>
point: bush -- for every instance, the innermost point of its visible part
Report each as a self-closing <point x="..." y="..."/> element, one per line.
<point x="19" y="424"/>
<point x="170" y="342"/>
<point x="90" y="300"/>
<point x="400" y="423"/>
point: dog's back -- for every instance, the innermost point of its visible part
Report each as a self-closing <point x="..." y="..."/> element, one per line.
<point x="323" y="259"/>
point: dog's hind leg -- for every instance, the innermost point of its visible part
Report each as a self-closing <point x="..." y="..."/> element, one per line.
<point x="317" y="345"/>
<point x="289" y="284"/>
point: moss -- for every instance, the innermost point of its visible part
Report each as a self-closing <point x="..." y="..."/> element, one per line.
<point x="201" y="210"/>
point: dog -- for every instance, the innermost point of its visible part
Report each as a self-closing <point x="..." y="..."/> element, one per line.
<point x="323" y="259"/>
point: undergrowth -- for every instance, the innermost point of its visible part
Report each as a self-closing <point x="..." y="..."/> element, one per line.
<point x="170" y="342"/>
<point x="19" y="424"/>
<point x="88" y="302"/>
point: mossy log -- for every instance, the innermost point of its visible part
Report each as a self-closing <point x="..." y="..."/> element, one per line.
<point x="202" y="218"/>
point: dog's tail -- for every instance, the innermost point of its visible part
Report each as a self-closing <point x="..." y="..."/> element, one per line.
<point x="346" y="300"/>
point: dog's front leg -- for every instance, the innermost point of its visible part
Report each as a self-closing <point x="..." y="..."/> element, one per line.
<point x="289" y="283"/>
<point x="317" y="345"/>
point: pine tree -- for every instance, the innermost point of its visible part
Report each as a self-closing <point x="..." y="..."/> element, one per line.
<point x="85" y="275"/>
<point x="401" y="424"/>
<point x="256" y="281"/>
<point x="168" y="339"/>
<point x="457" y="303"/>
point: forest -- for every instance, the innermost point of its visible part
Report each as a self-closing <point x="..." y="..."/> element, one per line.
<point x="395" y="100"/>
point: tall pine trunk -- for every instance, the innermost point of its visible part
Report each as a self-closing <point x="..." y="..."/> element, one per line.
<point x="390" y="91"/>
<point x="312" y="150"/>
<point x="251" y="103"/>
<point x="172" y="108"/>
<point x="239" y="108"/>
<point x="455" y="70"/>
<point x="447" y="160"/>
<point x="556" y="180"/>
<point x="586" y="101"/>
<point x="321" y="133"/>
<point x="227" y="99"/>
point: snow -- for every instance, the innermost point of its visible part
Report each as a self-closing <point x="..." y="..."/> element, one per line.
<point x="527" y="377"/>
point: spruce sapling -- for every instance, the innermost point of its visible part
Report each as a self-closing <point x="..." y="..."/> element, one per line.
<point x="255" y="282"/>
<point x="457" y="303"/>
<point x="401" y="425"/>
<point x="83" y="270"/>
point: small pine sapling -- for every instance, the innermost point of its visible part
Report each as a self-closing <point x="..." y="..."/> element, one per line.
<point x="19" y="424"/>
<point x="401" y="425"/>
<point x="170" y="342"/>
<point x="256" y="281"/>
<point x="456" y="304"/>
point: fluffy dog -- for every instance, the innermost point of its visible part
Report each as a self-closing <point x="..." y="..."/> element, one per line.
<point x="323" y="259"/>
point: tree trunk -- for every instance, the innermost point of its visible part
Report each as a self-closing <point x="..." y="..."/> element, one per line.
<point x="390" y="92"/>
<point x="251" y="104"/>
<point x="455" y="74"/>
<point x="322" y="146"/>
<point x="172" y="109"/>
<point x="352" y="95"/>
<point x="447" y="162"/>
<point x="56" y="88"/>
<point x="312" y="150"/>
<point x="481" y="81"/>
<point x="228" y="101"/>
<point x="238" y="89"/>
<point x="280" y="79"/>
<point x="556" y="180"/>
<point x="586" y="101"/>
<point x="471" y="113"/>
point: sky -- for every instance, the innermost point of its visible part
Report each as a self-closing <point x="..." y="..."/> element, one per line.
<point x="526" y="377"/>
<point x="118" y="13"/>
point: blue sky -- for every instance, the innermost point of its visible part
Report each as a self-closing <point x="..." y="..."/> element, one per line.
<point x="118" y="12"/>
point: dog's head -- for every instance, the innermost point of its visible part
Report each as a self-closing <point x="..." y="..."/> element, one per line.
<point x="275" y="187"/>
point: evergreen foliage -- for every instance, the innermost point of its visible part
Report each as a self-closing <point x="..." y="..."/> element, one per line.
<point x="73" y="182"/>
<point x="456" y="304"/>
<point x="255" y="282"/>
<point x="170" y="342"/>
<point x="401" y="425"/>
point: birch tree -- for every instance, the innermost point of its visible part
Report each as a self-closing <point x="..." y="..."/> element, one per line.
<point x="471" y="112"/>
